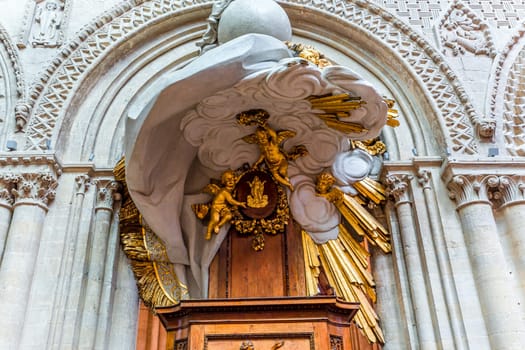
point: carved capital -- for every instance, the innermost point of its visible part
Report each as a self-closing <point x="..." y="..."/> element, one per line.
<point x="511" y="190"/>
<point x="82" y="183"/>
<point x="423" y="178"/>
<point x="106" y="193"/>
<point x="35" y="189"/>
<point x="470" y="189"/>
<point x="7" y="183"/>
<point x="397" y="187"/>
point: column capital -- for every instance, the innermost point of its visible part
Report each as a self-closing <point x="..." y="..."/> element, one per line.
<point x="511" y="190"/>
<point x="34" y="189"/>
<point x="82" y="183"/>
<point x="7" y="183"/>
<point x="106" y="193"/>
<point x="397" y="186"/>
<point x="423" y="178"/>
<point x="471" y="189"/>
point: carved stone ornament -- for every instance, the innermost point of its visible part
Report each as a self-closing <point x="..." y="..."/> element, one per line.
<point x="7" y="183"/>
<point x="106" y="190"/>
<point x="514" y="107"/>
<point x="44" y="23"/>
<point x="397" y="187"/>
<point x="462" y="32"/>
<point x="83" y="183"/>
<point x="471" y="189"/>
<point x="11" y="56"/>
<point x="22" y="111"/>
<point x="58" y="82"/>
<point x="35" y="188"/>
<point x="505" y="190"/>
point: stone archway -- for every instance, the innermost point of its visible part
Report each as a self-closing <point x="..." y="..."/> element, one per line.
<point x="450" y="109"/>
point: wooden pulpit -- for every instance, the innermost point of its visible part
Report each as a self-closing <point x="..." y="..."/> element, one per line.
<point x="290" y="323"/>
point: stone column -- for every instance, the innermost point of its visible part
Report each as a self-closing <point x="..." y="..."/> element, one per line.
<point x="398" y="188"/>
<point x="109" y="282"/>
<point x="96" y="261"/>
<point x="66" y="266"/>
<point x="455" y="318"/>
<point x="500" y="306"/>
<point x="33" y="193"/>
<point x="512" y="189"/>
<point x="6" y="207"/>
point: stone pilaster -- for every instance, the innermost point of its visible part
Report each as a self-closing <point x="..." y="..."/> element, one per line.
<point x="399" y="188"/>
<point x="67" y="301"/>
<point x="512" y="200"/>
<point x="97" y="260"/>
<point x="501" y="307"/>
<point x="32" y="195"/>
<point x="439" y="249"/>
<point x="7" y="181"/>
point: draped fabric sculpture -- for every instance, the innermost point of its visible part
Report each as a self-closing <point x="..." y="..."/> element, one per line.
<point x="288" y="134"/>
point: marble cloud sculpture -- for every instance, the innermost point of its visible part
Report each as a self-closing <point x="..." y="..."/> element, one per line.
<point x="184" y="132"/>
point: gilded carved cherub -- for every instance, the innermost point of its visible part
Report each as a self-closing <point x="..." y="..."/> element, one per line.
<point x="220" y="206"/>
<point x="325" y="187"/>
<point x="269" y="141"/>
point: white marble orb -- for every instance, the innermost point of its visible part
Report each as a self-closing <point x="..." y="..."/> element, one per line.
<point x="248" y="16"/>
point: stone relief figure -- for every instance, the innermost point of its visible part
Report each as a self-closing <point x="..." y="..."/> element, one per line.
<point x="462" y="32"/>
<point x="48" y="18"/>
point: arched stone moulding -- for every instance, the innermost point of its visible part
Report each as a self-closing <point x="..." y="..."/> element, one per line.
<point x="11" y="75"/>
<point x="504" y="83"/>
<point x="51" y="96"/>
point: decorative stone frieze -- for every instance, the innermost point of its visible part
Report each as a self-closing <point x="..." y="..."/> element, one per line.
<point x="106" y="192"/>
<point x="462" y="32"/>
<point x="14" y="61"/>
<point x="514" y="106"/>
<point x="71" y="65"/>
<point x="422" y="15"/>
<point x="398" y="187"/>
<point x="35" y="188"/>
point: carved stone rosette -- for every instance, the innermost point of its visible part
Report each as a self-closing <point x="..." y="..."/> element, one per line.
<point x="34" y="189"/>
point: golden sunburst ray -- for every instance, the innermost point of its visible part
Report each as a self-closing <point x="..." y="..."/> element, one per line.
<point x="345" y="264"/>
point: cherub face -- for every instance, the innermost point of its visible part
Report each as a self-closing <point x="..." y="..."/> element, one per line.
<point x="261" y="136"/>
<point x="324" y="184"/>
<point x="228" y="179"/>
